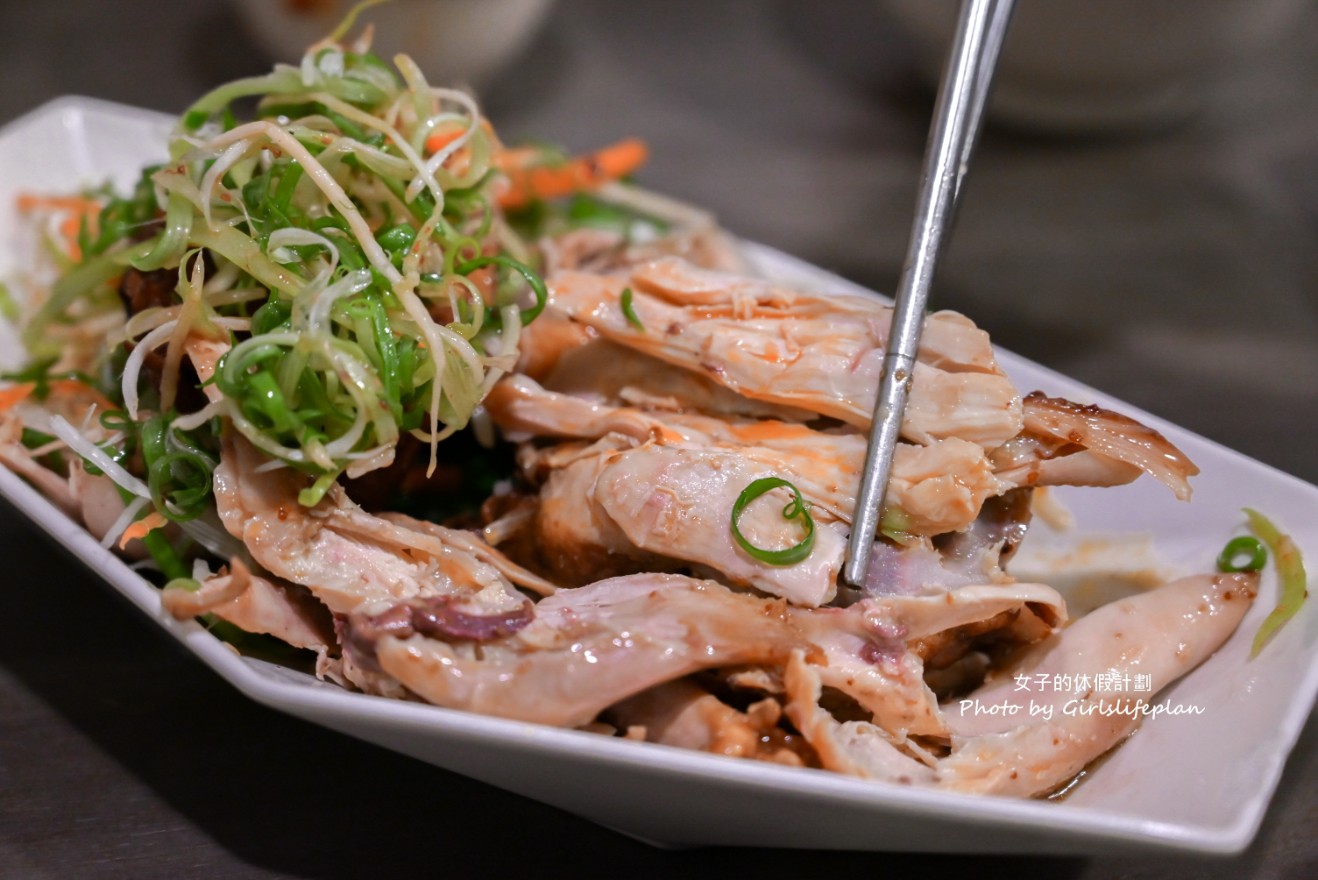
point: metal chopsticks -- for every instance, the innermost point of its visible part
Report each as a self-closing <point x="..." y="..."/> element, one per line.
<point x="962" y="94"/>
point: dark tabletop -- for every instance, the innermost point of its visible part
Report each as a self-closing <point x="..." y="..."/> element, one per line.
<point x="1175" y="268"/>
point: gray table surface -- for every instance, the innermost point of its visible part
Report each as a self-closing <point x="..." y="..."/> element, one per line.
<point x="1176" y="269"/>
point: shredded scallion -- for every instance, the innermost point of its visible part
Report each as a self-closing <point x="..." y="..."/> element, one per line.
<point x="1290" y="575"/>
<point x="629" y="310"/>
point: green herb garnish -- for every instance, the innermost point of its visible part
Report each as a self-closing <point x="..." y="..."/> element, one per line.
<point x="1250" y="550"/>
<point x="1290" y="573"/>
<point x="629" y="310"/>
<point x="798" y="507"/>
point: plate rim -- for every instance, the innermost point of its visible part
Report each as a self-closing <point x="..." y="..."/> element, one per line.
<point x="1080" y="822"/>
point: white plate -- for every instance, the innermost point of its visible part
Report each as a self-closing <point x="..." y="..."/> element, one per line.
<point x="1195" y="782"/>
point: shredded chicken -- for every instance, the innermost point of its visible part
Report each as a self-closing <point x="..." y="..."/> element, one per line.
<point x="636" y="590"/>
<point x="821" y="354"/>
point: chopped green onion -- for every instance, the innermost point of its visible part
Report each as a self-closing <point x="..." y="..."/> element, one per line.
<point x="348" y="20"/>
<point x="1290" y="573"/>
<point x="629" y="310"/>
<point x="192" y="585"/>
<point x="9" y="308"/>
<point x="34" y="439"/>
<point x="397" y="238"/>
<point x="537" y="283"/>
<point x="797" y="507"/>
<point x="78" y="283"/>
<point x="169" y="246"/>
<point x="51" y="461"/>
<point x="895" y="525"/>
<point x="165" y="556"/>
<point x="310" y="496"/>
<point x="39" y="374"/>
<point x="1254" y="554"/>
<point x="315" y="205"/>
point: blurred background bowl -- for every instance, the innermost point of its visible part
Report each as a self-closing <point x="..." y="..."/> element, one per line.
<point x="1086" y="66"/>
<point x="455" y="42"/>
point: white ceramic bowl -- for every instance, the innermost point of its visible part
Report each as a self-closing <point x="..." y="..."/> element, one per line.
<point x="1082" y="65"/>
<point x="455" y="42"/>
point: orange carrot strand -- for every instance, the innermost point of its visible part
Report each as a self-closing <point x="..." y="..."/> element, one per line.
<point x="15" y="394"/>
<point x="142" y="527"/>
<point x="587" y="172"/>
<point x="76" y="208"/>
<point x="77" y="386"/>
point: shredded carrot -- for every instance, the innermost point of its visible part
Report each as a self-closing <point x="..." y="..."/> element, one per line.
<point x="69" y="229"/>
<point x="75" y="207"/>
<point x="451" y="132"/>
<point x="141" y="527"/>
<point x="15" y="393"/>
<point x="77" y="386"/>
<point x="32" y="202"/>
<point x="529" y="182"/>
<point x="459" y="162"/>
<point x="441" y="139"/>
<point x="484" y="281"/>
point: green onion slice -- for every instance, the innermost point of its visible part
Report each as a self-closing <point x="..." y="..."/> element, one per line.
<point x="798" y="507"/>
<point x="1246" y="548"/>
<point x="1290" y="572"/>
<point x="536" y="283"/>
<point x="629" y="310"/>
